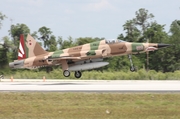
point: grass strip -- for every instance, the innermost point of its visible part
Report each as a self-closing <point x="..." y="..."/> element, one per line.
<point x="57" y="105"/>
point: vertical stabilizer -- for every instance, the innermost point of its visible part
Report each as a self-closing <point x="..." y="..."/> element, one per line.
<point x="29" y="48"/>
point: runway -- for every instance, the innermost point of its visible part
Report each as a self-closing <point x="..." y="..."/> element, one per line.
<point x="122" y="86"/>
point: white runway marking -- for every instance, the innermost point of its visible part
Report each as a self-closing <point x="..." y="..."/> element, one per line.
<point x="91" y="85"/>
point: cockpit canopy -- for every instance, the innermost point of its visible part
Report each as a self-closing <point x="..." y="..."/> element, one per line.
<point x="111" y="41"/>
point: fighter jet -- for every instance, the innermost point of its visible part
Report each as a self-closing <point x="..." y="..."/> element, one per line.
<point x="84" y="57"/>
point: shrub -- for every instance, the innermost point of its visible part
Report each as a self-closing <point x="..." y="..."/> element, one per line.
<point x="105" y="75"/>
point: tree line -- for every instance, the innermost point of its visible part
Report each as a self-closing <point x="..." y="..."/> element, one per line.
<point x="141" y="28"/>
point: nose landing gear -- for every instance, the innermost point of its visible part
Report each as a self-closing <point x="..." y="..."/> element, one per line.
<point x="132" y="68"/>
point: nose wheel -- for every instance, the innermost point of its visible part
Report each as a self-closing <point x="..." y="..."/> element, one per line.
<point x="77" y="74"/>
<point x="132" y="68"/>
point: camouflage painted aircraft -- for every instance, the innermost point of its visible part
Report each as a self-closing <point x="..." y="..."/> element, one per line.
<point x="88" y="56"/>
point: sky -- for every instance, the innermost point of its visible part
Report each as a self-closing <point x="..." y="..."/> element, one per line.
<point x="84" y="18"/>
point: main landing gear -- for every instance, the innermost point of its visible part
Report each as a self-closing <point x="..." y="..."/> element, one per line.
<point x="132" y="68"/>
<point x="66" y="73"/>
<point x="77" y="74"/>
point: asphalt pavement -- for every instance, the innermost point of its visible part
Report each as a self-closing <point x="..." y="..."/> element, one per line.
<point x="122" y="86"/>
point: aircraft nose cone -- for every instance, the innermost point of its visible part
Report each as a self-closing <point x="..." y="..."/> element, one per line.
<point x="163" y="45"/>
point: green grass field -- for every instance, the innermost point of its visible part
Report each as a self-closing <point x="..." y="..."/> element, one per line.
<point x="95" y="75"/>
<point x="54" y="105"/>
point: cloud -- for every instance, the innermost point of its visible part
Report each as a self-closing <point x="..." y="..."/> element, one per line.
<point x="36" y="3"/>
<point x="99" y="6"/>
<point x="68" y="11"/>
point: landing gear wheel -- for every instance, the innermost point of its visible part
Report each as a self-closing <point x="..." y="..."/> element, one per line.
<point x="132" y="69"/>
<point x="77" y="74"/>
<point x="66" y="73"/>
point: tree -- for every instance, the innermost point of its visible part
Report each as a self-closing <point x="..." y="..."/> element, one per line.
<point x="15" y="32"/>
<point x="174" y="51"/>
<point x="136" y="27"/>
<point x="81" y="41"/>
<point x="3" y="50"/>
<point x="45" y="35"/>
<point x="5" y="55"/>
<point x="132" y="33"/>
<point x="52" y="43"/>
<point x="141" y="19"/>
<point x="2" y="17"/>
<point x="66" y="43"/>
